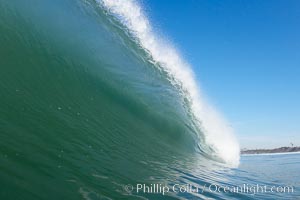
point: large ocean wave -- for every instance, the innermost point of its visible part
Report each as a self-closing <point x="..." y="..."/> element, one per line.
<point x="92" y="99"/>
<point x="217" y="132"/>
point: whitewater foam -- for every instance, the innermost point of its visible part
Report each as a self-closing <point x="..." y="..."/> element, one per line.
<point x="217" y="133"/>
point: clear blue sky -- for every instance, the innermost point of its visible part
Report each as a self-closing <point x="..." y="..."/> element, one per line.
<point x="246" y="56"/>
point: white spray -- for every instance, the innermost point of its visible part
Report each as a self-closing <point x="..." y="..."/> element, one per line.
<point x="217" y="133"/>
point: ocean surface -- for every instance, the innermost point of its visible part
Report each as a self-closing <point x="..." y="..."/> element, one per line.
<point x="94" y="105"/>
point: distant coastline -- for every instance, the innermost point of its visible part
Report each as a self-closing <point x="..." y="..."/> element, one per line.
<point x="269" y="151"/>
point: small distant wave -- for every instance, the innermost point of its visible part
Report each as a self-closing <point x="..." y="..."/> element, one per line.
<point x="271" y="154"/>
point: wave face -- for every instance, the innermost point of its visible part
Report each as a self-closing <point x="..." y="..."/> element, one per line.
<point x="92" y="100"/>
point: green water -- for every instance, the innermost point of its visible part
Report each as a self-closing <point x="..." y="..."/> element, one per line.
<point x="77" y="106"/>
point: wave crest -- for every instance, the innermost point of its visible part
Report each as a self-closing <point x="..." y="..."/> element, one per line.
<point x="218" y="134"/>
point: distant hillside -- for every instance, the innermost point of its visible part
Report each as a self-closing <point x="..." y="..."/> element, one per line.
<point x="277" y="150"/>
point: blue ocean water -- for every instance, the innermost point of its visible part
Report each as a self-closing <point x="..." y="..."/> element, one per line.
<point x="273" y="170"/>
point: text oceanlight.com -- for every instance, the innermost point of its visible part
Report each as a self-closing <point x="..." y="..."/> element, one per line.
<point x="210" y="188"/>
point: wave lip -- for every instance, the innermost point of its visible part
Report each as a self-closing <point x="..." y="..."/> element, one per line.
<point x="216" y="130"/>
